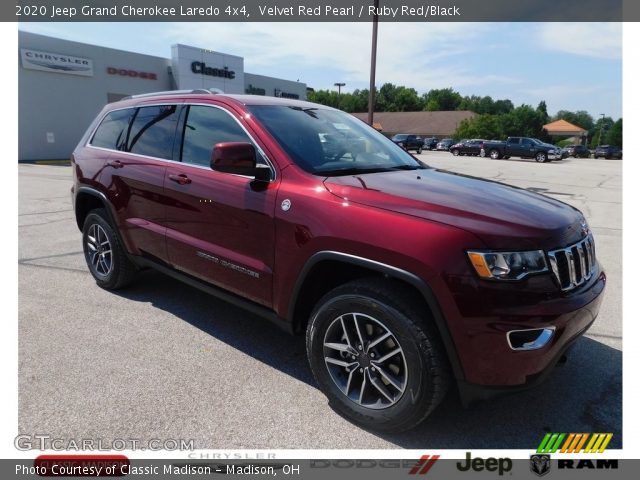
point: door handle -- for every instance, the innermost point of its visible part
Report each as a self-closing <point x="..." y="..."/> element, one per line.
<point x="115" y="163"/>
<point x="182" y="179"/>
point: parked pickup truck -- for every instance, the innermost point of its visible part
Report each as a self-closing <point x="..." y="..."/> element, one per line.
<point x="522" y="147"/>
<point x="408" y="142"/>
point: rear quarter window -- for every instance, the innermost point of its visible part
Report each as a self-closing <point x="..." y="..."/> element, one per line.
<point x="153" y="131"/>
<point x="112" y="131"/>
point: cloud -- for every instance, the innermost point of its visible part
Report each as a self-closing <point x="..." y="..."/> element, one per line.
<point x="420" y="55"/>
<point x="599" y="40"/>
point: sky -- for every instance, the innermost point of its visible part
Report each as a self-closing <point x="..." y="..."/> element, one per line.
<point x="571" y="66"/>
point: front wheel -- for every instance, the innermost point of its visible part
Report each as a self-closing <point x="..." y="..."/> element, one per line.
<point x="541" y="157"/>
<point x="376" y="355"/>
<point x="455" y="152"/>
<point x="419" y="150"/>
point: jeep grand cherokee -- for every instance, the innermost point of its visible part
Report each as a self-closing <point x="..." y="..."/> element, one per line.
<point x="406" y="279"/>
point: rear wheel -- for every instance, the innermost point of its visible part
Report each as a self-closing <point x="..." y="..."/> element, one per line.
<point x="419" y="150"/>
<point x="541" y="157"/>
<point x="495" y="154"/>
<point x="104" y="254"/>
<point x="376" y="355"/>
<point x="455" y="152"/>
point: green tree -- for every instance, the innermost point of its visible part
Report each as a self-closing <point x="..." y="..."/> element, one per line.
<point x="441" y="99"/>
<point x="523" y="121"/>
<point x="484" y="126"/>
<point x="614" y="137"/>
<point x="580" y="118"/>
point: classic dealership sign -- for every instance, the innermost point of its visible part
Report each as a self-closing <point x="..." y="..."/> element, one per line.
<point x="56" y="62"/>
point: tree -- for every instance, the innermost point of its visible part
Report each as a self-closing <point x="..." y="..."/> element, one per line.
<point x="483" y="126"/>
<point x="523" y="121"/>
<point x="580" y="118"/>
<point x="441" y="99"/>
<point x="614" y="137"/>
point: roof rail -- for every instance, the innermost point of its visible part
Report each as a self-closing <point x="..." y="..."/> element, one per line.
<point x="201" y="91"/>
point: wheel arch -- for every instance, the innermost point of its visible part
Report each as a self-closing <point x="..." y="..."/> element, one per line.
<point x="312" y="284"/>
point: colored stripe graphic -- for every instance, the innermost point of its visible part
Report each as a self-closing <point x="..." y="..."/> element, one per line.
<point x="574" y="443"/>
<point x="423" y="465"/>
<point x="550" y="443"/>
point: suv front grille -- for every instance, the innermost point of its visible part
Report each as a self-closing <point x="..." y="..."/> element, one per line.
<point x="574" y="265"/>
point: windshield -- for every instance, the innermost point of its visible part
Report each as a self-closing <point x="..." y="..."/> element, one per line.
<point x="400" y="137"/>
<point x="329" y="142"/>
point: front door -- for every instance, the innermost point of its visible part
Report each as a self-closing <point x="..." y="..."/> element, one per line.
<point x="220" y="226"/>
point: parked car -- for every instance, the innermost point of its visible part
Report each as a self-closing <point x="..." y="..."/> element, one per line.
<point x="522" y="147"/>
<point x="405" y="279"/>
<point x="467" y="147"/>
<point x="577" y="151"/>
<point x="408" y="142"/>
<point x="608" y="151"/>
<point x="445" y="144"/>
<point x="430" y="143"/>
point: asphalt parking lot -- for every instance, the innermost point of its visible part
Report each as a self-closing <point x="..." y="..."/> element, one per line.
<point x="163" y="360"/>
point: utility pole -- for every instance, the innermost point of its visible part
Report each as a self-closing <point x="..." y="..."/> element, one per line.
<point x="339" y="85"/>
<point x="601" y="125"/>
<point x="372" y="75"/>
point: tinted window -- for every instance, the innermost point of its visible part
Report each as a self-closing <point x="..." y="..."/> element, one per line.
<point x="153" y="131"/>
<point x="112" y="132"/>
<point x="205" y="127"/>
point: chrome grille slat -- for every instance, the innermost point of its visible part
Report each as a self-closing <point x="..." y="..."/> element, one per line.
<point x="575" y="264"/>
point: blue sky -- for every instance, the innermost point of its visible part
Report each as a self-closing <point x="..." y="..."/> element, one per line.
<point x="575" y="66"/>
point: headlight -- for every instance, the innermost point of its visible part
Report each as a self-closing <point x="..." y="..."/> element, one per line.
<point x="508" y="265"/>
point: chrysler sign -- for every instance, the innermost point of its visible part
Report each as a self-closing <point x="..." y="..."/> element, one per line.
<point x="56" y="62"/>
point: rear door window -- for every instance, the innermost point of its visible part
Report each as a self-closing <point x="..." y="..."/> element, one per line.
<point x="153" y="131"/>
<point x="112" y="132"/>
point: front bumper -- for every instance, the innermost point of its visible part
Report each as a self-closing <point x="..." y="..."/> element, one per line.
<point x="489" y="313"/>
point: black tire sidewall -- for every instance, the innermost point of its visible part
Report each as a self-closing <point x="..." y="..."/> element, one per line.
<point x="407" y="411"/>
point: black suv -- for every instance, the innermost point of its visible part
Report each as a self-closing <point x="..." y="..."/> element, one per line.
<point x="608" y="151"/>
<point x="577" y="151"/>
<point x="408" y="141"/>
<point x="430" y="143"/>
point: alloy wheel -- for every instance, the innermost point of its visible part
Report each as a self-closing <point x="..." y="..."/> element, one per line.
<point x="365" y="360"/>
<point x="99" y="250"/>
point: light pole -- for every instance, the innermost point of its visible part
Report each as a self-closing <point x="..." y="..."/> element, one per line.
<point x="601" y="125"/>
<point x="339" y="85"/>
<point x="372" y="76"/>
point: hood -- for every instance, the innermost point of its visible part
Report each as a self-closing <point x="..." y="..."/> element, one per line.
<point x="501" y="215"/>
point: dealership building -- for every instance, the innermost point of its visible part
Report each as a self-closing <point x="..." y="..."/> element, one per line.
<point x="62" y="85"/>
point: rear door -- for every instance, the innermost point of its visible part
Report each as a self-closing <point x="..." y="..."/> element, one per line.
<point x="134" y="176"/>
<point x="220" y="226"/>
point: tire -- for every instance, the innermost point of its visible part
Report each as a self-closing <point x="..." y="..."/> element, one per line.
<point x="105" y="256"/>
<point x="455" y="152"/>
<point x="541" y="157"/>
<point x="494" y="154"/>
<point x="415" y="379"/>
<point x="419" y="150"/>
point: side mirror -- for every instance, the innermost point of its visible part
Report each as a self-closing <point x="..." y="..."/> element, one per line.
<point x="238" y="158"/>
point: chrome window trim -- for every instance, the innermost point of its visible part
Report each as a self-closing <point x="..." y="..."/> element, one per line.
<point x="270" y="163"/>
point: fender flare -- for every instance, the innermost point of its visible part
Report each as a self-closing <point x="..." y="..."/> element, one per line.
<point x="393" y="272"/>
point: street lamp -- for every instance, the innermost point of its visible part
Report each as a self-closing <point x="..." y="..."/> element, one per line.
<point x="601" y="125"/>
<point x="372" y="76"/>
<point x="339" y="85"/>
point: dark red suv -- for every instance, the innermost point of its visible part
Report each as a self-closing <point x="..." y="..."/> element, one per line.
<point x="406" y="279"/>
